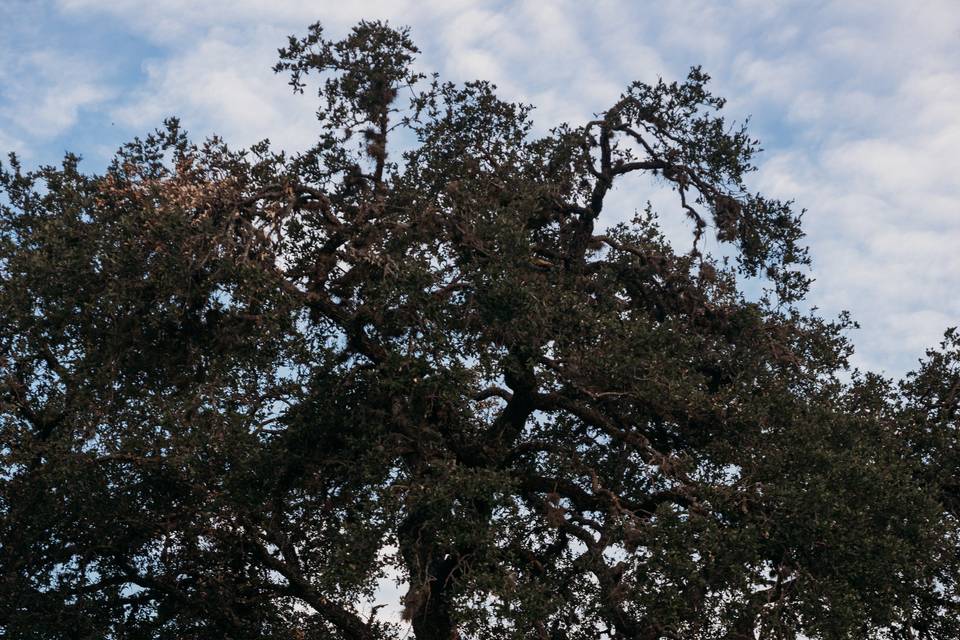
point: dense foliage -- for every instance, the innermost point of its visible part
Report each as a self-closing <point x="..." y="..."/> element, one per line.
<point x="237" y="388"/>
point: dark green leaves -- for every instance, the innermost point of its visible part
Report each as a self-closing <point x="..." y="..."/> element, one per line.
<point x="238" y="390"/>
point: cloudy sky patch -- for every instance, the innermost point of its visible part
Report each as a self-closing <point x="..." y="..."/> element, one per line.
<point x="855" y="103"/>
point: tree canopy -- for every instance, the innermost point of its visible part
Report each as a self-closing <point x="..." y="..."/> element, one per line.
<point x="239" y="387"/>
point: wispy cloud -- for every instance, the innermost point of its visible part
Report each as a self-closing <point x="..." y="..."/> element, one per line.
<point x="43" y="92"/>
<point x="224" y="86"/>
<point x="855" y="101"/>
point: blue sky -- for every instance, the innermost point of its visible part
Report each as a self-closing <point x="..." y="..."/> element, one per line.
<point x="857" y="104"/>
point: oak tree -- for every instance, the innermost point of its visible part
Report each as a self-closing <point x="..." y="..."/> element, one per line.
<point x="238" y="388"/>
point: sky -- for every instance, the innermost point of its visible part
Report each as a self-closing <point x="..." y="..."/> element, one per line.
<point x="857" y="104"/>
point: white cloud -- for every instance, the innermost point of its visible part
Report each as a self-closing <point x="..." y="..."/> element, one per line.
<point x="880" y="181"/>
<point x="857" y="99"/>
<point x="222" y="85"/>
<point x="44" y="91"/>
<point x="9" y="143"/>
